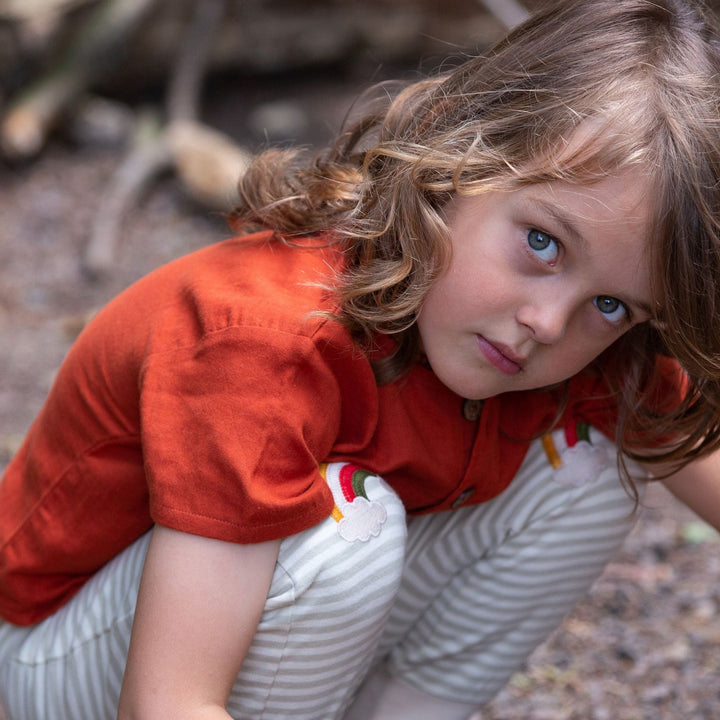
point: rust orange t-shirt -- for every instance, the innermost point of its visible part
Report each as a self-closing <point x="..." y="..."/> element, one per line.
<point x="204" y="397"/>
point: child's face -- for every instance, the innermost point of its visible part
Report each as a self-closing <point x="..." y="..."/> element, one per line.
<point x="541" y="281"/>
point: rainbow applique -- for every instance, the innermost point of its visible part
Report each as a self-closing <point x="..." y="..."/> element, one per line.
<point x="358" y="518"/>
<point x="581" y="463"/>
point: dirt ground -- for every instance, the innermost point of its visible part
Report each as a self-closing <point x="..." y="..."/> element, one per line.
<point x="645" y="643"/>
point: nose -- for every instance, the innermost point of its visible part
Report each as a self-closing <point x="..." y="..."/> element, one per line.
<point x="547" y="318"/>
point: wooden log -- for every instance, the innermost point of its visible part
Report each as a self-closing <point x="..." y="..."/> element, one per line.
<point x="208" y="163"/>
<point x="30" y="117"/>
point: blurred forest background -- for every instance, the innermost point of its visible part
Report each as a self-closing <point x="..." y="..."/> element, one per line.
<point x="123" y="127"/>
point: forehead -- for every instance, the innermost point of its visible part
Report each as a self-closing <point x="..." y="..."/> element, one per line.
<point x="622" y="199"/>
<point x="606" y="227"/>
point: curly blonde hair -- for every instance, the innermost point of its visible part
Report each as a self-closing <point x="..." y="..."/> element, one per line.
<point x="641" y="80"/>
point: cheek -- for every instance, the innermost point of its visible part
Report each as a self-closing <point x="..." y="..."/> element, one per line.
<point x="583" y="347"/>
<point x="435" y="302"/>
<point x="450" y="294"/>
<point x="565" y="363"/>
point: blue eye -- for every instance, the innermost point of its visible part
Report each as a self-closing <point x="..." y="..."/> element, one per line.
<point x="543" y="245"/>
<point x="611" y="308"/>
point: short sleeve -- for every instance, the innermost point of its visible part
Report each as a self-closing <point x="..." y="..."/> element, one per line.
<point x="232" y="431"/>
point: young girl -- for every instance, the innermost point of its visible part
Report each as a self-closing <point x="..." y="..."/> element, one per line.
<point x="467" y="296"/>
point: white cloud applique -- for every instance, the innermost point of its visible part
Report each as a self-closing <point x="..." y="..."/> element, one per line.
<point x="358" y="517"/>
<point x="362" y="519"/>
<point x="580" y="462"/>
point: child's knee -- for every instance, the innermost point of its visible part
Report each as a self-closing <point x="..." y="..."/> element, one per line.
<point x="329" y="600"/>
<point x="566" y="475"/>
<point x="362" y="540"/>
<point x="351" y="562"/>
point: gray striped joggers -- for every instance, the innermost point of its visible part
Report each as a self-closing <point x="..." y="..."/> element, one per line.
<point x="451" y="603"/>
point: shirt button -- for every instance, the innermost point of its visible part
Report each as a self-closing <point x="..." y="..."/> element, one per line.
<point x="472" y="409"/>
<point x="462" y="498"/>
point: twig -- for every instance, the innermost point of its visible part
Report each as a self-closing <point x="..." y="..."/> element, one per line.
<point x="208" y="162"/>
<point x="184" y="86"/>
<point x="149" y="155"/>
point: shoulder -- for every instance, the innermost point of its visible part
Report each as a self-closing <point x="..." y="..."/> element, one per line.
<point x="247" y="282"/>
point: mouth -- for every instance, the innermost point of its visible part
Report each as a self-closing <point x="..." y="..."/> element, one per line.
<point x="501" y="356"/>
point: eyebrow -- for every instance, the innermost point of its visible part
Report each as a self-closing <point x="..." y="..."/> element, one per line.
<point x="562" y="220"/>
<point x="570" y="230"/>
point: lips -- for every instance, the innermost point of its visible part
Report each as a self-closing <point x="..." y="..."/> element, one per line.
<point x="500" y="356"/>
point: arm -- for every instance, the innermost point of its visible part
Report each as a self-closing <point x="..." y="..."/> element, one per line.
<point x="198" y="607"/>
<point x="697" y="485"/>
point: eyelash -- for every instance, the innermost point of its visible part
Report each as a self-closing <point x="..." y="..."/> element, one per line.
<point x="627" y="317"/>
<point x="535" y="235"/>
<point x="538" y="237"/>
